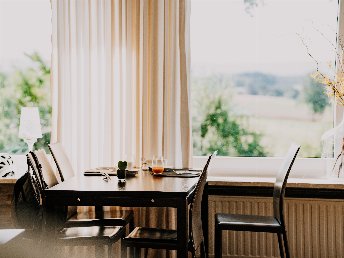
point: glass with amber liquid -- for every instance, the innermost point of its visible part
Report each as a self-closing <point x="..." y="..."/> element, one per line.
<point x="158" y="165"/>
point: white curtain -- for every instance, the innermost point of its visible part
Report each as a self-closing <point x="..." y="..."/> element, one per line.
<point x="120" y="80"/>
<point x="120" y="83"/>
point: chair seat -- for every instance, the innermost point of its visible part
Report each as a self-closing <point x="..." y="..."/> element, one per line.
<point x="156" y="238"/>
<point x="253" y="223"/>
<point x="93" y="233"/>
<point x="152" y="234"/>
<point x="109" y="218"/>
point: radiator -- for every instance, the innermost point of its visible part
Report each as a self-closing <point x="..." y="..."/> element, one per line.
<point x="314" y="228"/>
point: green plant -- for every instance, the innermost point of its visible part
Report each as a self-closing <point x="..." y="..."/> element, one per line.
<point x="222" y="131"/>
<point x="315" y="96"/>
<point x="122" y="165"/>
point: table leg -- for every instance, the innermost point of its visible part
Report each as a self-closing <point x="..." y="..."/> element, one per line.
<point x="182" y="229"/>
<point x="99" y="212"/>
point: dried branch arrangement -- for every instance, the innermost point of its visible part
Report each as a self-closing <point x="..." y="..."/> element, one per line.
<point x="334" y="84"/>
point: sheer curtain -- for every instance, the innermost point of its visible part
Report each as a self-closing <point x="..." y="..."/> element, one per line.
<point x="120" y="80"/>
<point x="120" y="83"/>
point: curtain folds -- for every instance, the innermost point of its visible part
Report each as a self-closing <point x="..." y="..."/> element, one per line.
<point x="120" y="84"/>
<point x="120" y="80"/>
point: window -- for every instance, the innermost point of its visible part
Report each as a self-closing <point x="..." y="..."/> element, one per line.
<point x="25" y="49"/>
<point x="252" y="90"/>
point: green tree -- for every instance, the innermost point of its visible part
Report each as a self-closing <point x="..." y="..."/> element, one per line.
<point x="222" y="131"/>
<point x="24" y="87"/>
<point x="315" y="96"/>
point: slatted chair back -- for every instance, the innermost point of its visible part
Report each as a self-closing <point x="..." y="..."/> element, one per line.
<point x="62" y="162"/>
<point x="36" y="173"/>
<point x="281" y="182"/>
<point x="34" y="178"/>
<point x="47" y="171"/>
<point x="60" y="211"/>
<point x="196" y="232"/>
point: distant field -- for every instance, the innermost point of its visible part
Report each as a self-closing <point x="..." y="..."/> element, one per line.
<point x="282" y="121"/>
<point x="277" y="107"/>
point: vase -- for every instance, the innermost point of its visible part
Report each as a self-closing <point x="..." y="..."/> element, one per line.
<point x="121" y="174"/>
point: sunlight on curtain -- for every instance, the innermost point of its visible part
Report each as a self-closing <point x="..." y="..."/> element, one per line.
<point x="120" y="84"/>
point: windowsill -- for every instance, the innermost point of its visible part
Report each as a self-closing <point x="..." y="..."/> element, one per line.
<point x="264" y="167"/>
<point x="312" y="183"/>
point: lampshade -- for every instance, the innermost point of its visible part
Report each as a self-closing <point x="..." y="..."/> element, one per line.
<point x="30" y="125"/>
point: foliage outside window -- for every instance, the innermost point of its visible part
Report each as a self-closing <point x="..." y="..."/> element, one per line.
<point x="21" y="88"/>
<point x="25" y="28"/>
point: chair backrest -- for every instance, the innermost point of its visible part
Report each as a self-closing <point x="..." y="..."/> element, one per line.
<point x="34" y="177"/>
<point x="27" y="199"/>
<point x="62" y="162"/>
<point x="35" y="173"/>
<point x="47" y="171"/>
<point x="196" y="232"/>
<point x="36" y="166"/>
<point x="281" y="182"/>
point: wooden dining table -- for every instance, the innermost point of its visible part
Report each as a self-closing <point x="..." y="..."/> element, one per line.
<point x="142" y="190"/>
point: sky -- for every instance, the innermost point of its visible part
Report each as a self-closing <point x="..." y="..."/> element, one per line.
<point x="25" y="26"/>
<point x="225" y="37"/>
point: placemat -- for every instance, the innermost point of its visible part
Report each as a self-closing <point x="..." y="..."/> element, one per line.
<point x="179" y="173"/>
<point x="111" y="171"/>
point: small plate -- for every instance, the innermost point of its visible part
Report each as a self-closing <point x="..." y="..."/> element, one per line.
<point x="165" y="169"/>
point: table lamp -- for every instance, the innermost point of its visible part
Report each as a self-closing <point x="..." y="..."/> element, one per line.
<point x="30" y="126"/>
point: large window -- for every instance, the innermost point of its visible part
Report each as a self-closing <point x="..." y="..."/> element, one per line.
<point x="25" y="50"/>
<point x="252" y="89"/>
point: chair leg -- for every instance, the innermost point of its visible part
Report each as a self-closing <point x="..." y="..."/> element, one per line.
<point x="286" y="246"/>
<point x="131" y="225"/>
<point x="136" y="252"/>
<point x="280" y="245"/>
<point x="193" y="252"/>
<point x="203" y="251"/>
<point x="123" y="250"/>
<point x="218" y="242"/>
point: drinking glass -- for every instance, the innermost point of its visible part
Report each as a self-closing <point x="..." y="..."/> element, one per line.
<point x="144" y="164"/>
<point x="158" y="165"/>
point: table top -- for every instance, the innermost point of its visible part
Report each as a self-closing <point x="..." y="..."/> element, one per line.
<point x="142" y="184"/>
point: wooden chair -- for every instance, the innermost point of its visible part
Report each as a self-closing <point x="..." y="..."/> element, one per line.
<point x="76" y="235"/>
<point x="94" y="217"/>
<point x="156" y="238"/>
<point x="253" y="223"/>
<point x="64" y="167"/>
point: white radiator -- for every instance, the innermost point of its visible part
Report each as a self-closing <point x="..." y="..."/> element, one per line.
<point x="314" y="227"/>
